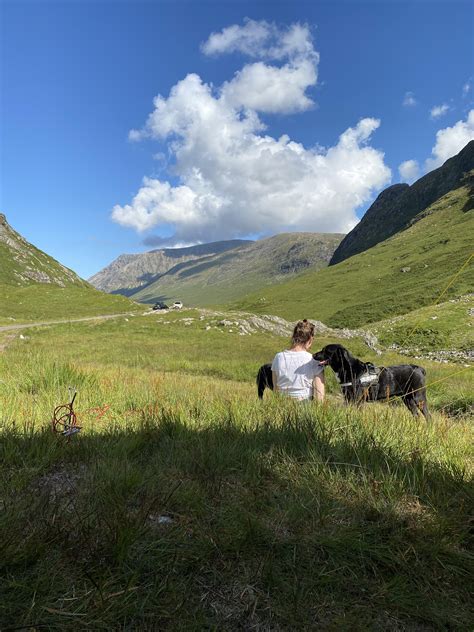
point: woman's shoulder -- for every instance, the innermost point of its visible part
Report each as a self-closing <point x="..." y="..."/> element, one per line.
<point x="276" y="360"/>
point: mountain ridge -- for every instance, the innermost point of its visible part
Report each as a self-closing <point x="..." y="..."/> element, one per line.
<point x="214" y="279"/>
<point x="35" y="286"/>
<point x="22" y="263"/>
<point x="128" y="273"/>
<point x="407" y="271"/>
<point x="396" y="206"/>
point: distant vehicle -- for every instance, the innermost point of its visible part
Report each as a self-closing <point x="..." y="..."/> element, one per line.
<point x="177" y="305"/>
<point x="160" y="305"/>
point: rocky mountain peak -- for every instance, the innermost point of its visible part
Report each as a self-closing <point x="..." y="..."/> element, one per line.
<point x="397" y="206"/>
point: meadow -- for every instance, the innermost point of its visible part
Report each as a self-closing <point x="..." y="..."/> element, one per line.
<point x="35" y="302"/>
<point x="185" y="503"/>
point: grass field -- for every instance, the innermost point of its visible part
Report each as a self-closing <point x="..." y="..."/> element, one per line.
<point x="448" y="325"/>
<point x="185" y="503"/>
<point x="36" y="302"/>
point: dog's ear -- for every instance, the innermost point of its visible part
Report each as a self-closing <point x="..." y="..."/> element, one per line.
<point x="335" y="356"/>
<point x="344" y="355"/>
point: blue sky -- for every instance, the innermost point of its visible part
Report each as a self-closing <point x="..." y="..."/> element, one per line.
<point x="78" y="76"/>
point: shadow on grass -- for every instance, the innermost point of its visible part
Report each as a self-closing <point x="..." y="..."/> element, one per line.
<point x="295" y="524"/>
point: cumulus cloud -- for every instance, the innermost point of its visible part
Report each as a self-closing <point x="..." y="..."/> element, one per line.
<point x="438" y="110"/>
<point x="450" y="141"/>
<point x="235" y="179"/>
<point x="409" y="171"/>
<point x="260" y="86"/>
<point x="270" y="89"/>
<point x="261" y="39"/>
<point x="409" y="100"/>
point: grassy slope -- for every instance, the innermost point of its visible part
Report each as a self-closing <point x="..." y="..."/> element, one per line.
<point x="234" y="274"/>
<point x="283" y="517"/>
<point x="370" y="286"/>
<point x="23" y="300"/>
<point x="448" y="325"/>
<point x="40" y="301"/>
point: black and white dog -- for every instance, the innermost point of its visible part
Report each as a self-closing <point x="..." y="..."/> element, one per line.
<point x="362" y="381"/>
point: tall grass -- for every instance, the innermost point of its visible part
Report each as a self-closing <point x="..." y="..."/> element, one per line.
<point x="185" y="503"/>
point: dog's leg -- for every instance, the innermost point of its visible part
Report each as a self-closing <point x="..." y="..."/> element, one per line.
<point x="411" y="405"/>
<point x="423" y="407"/>
<point x="261" y="384"/>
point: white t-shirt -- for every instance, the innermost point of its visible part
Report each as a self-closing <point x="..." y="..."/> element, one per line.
<point x="295" y="371"/>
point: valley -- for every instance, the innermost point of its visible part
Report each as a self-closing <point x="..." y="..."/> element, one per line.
<point x="209" y="279"/>
<point x="183" y="495"/>
<point x="406" y="272"/>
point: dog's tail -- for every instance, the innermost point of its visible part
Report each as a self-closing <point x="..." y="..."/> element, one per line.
<point x="260" y="382"/>
<point x="264" y="379"/>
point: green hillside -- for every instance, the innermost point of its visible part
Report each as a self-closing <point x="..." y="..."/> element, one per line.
<point x="446" y="326"/>
<point x="233" y="274"/>
<point x="38" y="302"/>
<point x="395" y="207"/>
<point x="34" y="286"/>
<point x="403" y="273"/>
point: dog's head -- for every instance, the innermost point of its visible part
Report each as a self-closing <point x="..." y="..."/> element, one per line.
<point x="337" y="357"/>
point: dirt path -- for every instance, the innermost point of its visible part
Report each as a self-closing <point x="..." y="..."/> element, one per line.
<point x="61" y="322"/>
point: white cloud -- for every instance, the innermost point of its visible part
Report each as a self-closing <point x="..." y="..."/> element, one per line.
<point x="233" y="178"/>
<point x="438" y="110"/>
<point x="467" y="88"/>
<point x="409" y="171"/>
<point x="260" y="86"/>
<point x="250" y="39"/>
<point x="271" y="89"/>
<point x="262" y="39"/>
<point x="450" y="141"/>
<point x="409" y="100"/>
<point x="134" y="135"/>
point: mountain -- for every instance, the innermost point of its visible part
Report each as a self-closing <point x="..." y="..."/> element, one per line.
<point x="218" y="278"/>
<point x="22" y="263"/>
<point x="395" y="207"/>
<point x="129" y="273"/>
<point x="405" y="272"/>
<point x="35" y="286"/>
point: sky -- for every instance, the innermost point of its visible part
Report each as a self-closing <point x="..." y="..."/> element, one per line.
<point x="127" y="126"/>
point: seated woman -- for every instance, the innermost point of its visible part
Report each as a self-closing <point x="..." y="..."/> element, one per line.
<point x="295" y="373"/>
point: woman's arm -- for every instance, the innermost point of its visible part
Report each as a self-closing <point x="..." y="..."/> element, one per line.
<point x="319" y="388"/>
<point x="274" y="378"/>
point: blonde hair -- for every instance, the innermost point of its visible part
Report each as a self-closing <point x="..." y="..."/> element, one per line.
<point x="303" y="331"/>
